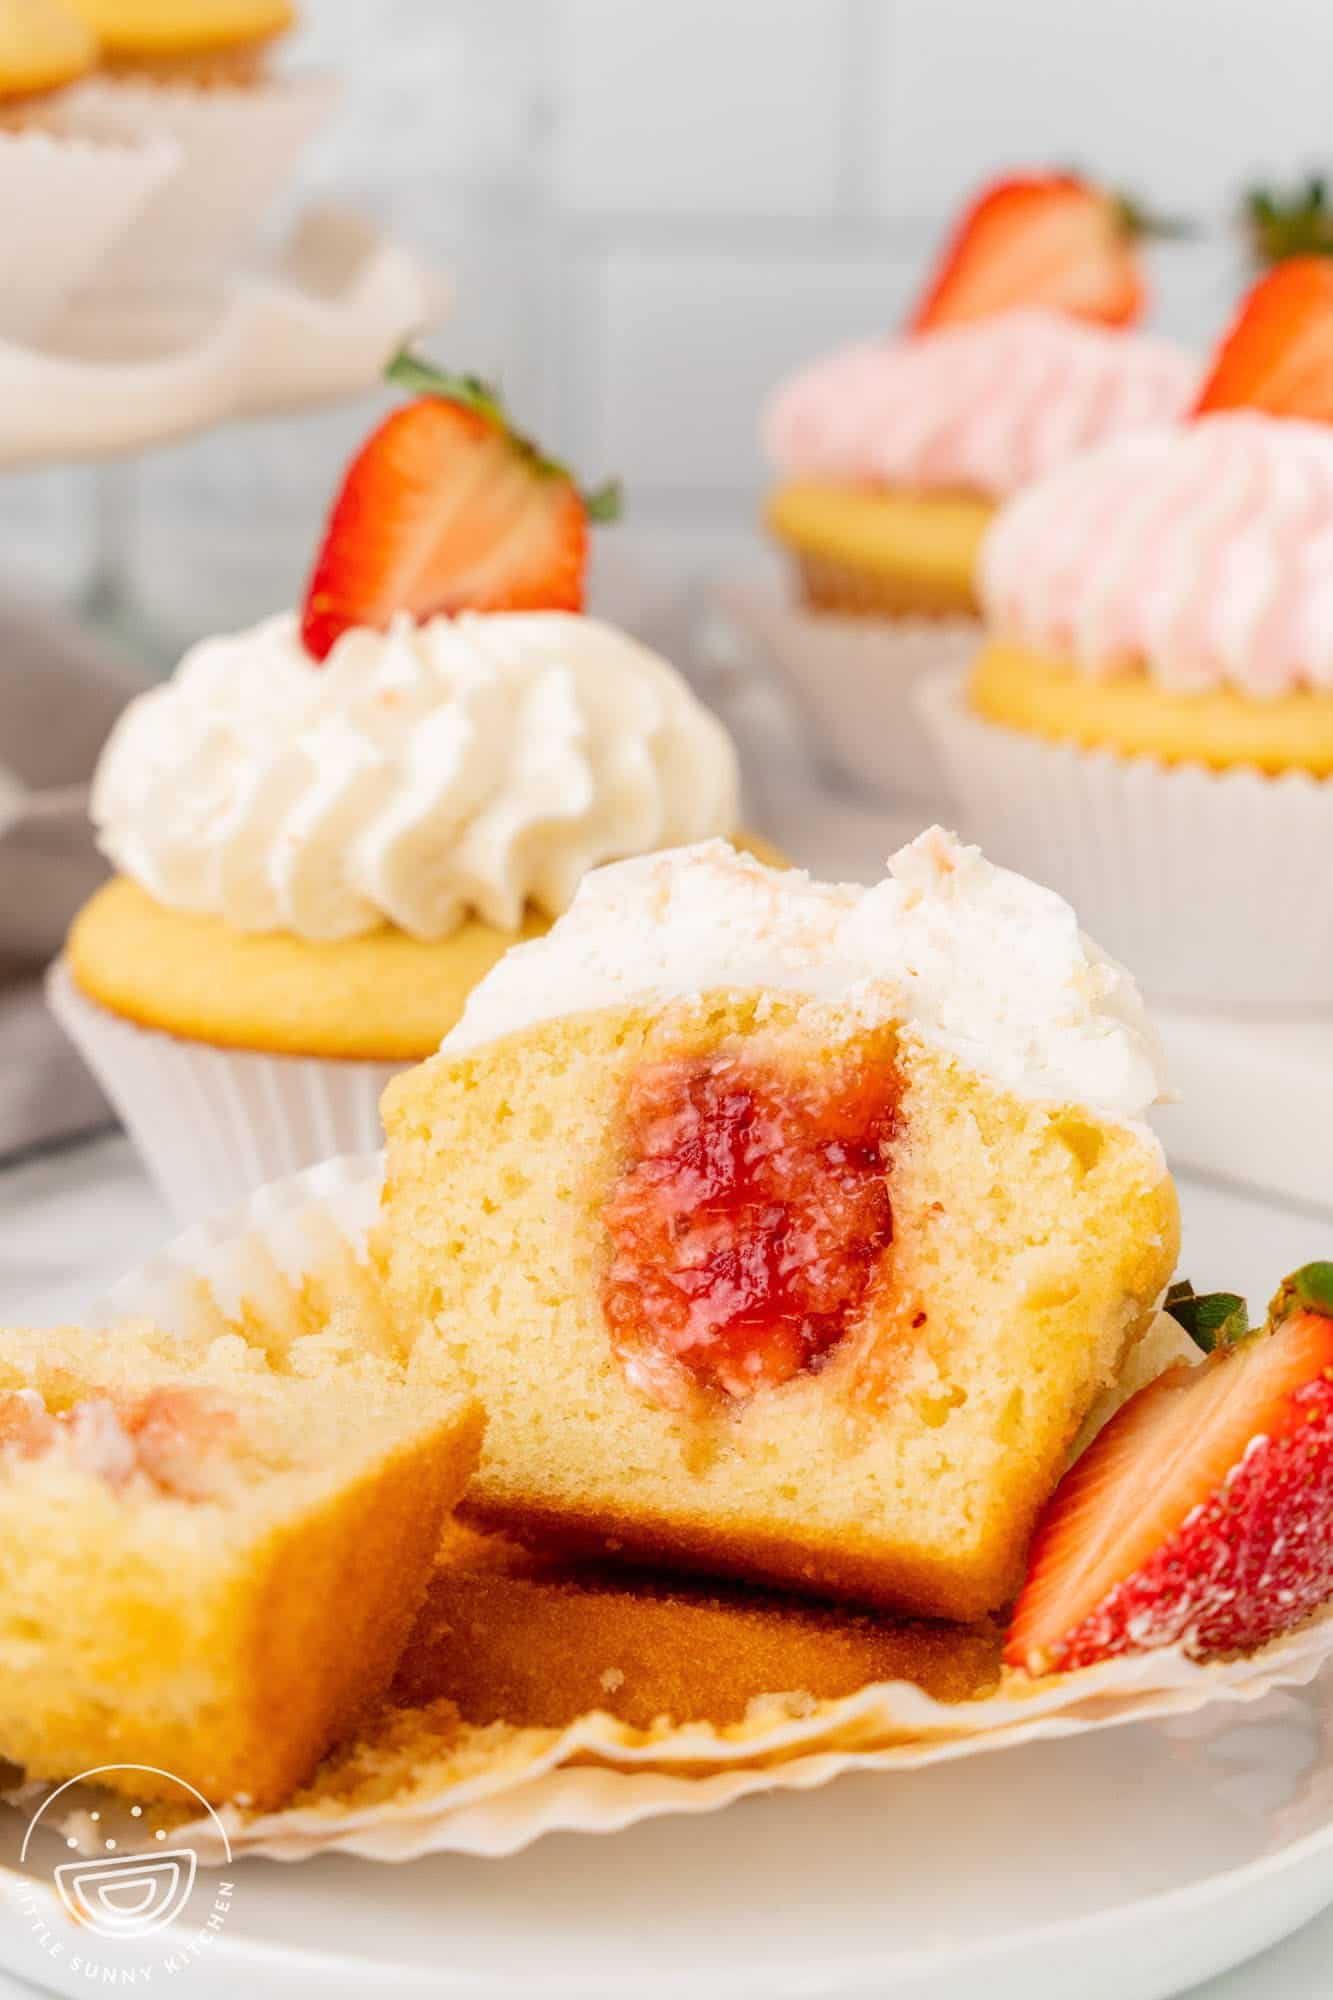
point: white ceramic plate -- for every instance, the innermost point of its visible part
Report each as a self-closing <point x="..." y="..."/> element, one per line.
<point x="1131" y="1863"/>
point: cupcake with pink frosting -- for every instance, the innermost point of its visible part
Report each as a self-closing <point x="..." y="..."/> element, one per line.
<point x="1149" y="724"/>
<point x="893" y="454"/>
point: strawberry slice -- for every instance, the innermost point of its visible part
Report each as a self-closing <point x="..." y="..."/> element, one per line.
<point x="1278" y="355"/>
<point x="1202" y="1514"/>
<point x="444" y="509"/>
<point x="1039" y="240"/>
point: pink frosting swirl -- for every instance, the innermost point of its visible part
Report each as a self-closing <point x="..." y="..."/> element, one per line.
<point x="981" y="408"/>
<point x="1203" y="552"/>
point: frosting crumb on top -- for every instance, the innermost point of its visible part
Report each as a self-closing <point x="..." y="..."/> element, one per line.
<point x="973" y="958"/>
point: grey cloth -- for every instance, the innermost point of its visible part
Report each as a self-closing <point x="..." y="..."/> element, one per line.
<point x="61" y="689"/>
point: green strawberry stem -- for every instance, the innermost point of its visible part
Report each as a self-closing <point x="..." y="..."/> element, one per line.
<point x="605" y="502"/>
<point x="1139" y="222"/>
<point x="408" y="371"/>
<point x="1308" y="1290"/>
<point x="1211" y="1319"/>
<point x="1281" y="225"/>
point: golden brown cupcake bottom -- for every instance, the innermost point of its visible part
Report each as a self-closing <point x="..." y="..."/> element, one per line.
<point x="510" y="1638"/>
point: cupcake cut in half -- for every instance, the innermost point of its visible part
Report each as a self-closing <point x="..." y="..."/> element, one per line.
<point x="207" y="1566"/>
<point x="784" y="1229"/>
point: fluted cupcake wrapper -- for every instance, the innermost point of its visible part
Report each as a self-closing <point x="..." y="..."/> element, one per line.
<point x="212" y="1123"/>
<point x="854" y="678"/>
<point x="419" y="1782"/>
<point x="236" y="146"/>
<point x="66" y="201"/>
<point x="1214" y="887"/>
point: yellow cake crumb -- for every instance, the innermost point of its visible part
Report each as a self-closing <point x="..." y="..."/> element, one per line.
<point x="1029" y="1245"/>
<point x="208" y="1566"/>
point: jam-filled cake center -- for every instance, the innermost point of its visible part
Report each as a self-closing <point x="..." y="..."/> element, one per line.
<point x="166" y="1435"/>
<point x="748" y="1222"/>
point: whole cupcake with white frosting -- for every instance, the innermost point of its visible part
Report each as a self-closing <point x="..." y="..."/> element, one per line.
<point x="327" y="829"/>
<point x="1150" y="722"/>
<point x="892" y="454"/>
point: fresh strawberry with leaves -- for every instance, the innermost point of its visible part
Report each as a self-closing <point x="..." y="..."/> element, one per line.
<point x="1278" y="355"/>
<point x="1041" y="240"/>
<point x="446" y="508"/>
<point x="1203" y="1514"/>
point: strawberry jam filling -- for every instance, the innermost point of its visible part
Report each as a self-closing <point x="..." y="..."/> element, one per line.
<point x="163" y="1436"/>
<point x="748" y="1223"/>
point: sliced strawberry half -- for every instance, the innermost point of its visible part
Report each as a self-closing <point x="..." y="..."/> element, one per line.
<point x="1202" y="1514"/>
<point x="1039" y="240"/>
<point x="1278" y="355"/>
<point x="444" y="509"/>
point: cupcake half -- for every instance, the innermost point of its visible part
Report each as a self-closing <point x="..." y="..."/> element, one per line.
<point x="892" y="454"/>
<point x="786" y="1230"/>
<point x="328" y="829"/>
<point x="1150" y="723"/>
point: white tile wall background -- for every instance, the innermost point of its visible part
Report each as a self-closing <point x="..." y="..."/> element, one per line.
<point x="652" y="208"/>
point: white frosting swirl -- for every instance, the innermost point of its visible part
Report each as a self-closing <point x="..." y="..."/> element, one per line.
<point x="973" y="958"/>
<point x="469" y="764"/>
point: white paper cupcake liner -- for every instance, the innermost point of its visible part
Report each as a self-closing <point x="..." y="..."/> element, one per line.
<point x="236" y="146"/>
<point x="404" y="1791"/>
<point x="66" y="201"/>
<point x="854" y="678"/>
<point x="1214" y="887"/>
<point x="212" y="1124"/>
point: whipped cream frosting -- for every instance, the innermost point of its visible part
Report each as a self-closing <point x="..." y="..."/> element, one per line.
<point x="1203" y="552"/>
<point x="981" y="408"/>
<point x="470" y="764"/>
<point x="971" y="957"/>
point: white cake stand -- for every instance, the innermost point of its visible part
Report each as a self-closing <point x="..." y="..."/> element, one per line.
<point x="123" y="372"/>
<point x="119" y="374"/>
